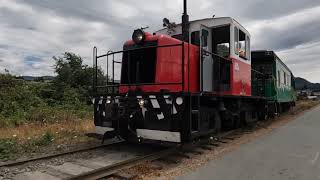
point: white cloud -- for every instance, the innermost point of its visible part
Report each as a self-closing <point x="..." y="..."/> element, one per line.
<point x="42" y="29"/>
<point x="282" y="32"/>
<point x="49" y="34"/>
<point x="303" y="60"/>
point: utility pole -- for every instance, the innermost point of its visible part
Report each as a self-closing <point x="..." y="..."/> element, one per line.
<point x="185" y="22"/>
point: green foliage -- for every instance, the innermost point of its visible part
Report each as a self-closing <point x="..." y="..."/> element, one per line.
<point x="45" y="140"/>
<point x="66" y="97"/>
<point x="7" y="147"/>
<point x="10" y="147"/>
<point x="73" y="73"/>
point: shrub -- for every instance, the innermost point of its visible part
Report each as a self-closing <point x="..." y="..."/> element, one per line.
<point x="7" y="147"/>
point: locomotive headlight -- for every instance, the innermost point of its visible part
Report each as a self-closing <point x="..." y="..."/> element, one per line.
<point x="141" y="102"/>
<point x="179" y="101"/>
<point x="138" y="36"/>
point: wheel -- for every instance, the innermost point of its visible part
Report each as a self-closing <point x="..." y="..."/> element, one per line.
<point x="210" y="119"/>
<point x="229" y="120"/>
<point x="272" y="110"/>
<point x="262" y="116"/>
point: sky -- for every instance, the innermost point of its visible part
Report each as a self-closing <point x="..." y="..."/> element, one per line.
<point x="33" y="31"/>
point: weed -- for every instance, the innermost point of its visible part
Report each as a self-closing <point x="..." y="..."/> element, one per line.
<point x="7" y="148"/>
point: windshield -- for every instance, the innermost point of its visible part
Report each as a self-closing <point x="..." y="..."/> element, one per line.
<point x="139" y="66"/>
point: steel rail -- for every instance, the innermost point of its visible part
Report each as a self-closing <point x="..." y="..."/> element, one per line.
<point x="21" y="162"/>
<point x="114" y="168"/>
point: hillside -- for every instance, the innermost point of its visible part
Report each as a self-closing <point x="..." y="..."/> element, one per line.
<point x="305" y="84"/>
<point x="35" y="78"/>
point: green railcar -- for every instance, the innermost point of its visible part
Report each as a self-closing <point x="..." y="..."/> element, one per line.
<point x="272" y="79"/>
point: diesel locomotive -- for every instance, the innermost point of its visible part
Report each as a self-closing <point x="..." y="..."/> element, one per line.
<point x="187" y="81"/>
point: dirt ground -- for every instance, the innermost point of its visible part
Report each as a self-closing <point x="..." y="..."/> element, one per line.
<point x="163" y="170"/>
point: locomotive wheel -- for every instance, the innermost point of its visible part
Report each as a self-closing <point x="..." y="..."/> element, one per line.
<point x="210" y="119"/>
<point x="229" y="121"/>
<point x="262" y="116"/>
<point x="272" y="110"/>
<point x="215" y="118"/>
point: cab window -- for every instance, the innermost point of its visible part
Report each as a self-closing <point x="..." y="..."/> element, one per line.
<point x="195" y="38"/>
<point x="236" y="40"/>
<point x="221" y="41"/>
<point x="242" y="44"/>
<point x="204" y="37"/>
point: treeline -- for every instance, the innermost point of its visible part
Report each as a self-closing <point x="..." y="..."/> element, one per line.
<point x="67" y="97"/>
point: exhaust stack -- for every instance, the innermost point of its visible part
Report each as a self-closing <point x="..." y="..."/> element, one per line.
<point x="185" y="22"/>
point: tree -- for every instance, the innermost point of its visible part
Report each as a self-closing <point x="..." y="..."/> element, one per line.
<point x="72" y="73"/>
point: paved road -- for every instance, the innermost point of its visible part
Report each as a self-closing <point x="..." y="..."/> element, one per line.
<point x="289" y="153"/>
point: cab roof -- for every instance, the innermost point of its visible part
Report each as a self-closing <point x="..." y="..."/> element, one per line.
<point x="209" y="22"/>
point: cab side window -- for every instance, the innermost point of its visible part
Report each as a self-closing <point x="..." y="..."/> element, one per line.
<point x="204" y="37"/>
<point x="236" y="40"/>
<point x="242" y="44"/>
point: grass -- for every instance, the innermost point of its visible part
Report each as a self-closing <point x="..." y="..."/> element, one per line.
<point x="36" y="137"/>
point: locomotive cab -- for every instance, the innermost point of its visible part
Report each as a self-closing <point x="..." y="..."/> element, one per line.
<point x="225" y="52"/>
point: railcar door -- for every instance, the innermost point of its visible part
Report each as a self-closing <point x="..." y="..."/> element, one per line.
<point x="206" y="68"/>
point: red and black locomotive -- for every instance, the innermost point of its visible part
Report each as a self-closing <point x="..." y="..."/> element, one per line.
<point x="179" y="83"/>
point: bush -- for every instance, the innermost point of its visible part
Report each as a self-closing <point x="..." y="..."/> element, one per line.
<point x="7" y="147"/>
<point x="66" y="97"/>
<point x="45" y="140"/>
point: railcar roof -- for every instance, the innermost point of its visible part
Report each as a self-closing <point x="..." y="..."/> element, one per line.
<point x="276" y="57"/>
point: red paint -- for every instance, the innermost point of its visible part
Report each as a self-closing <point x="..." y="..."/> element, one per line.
<point x="240" y="79"/>
<point x="169" y="64"/>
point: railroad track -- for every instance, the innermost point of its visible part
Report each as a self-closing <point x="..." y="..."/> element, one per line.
<point x="47" y="157"/>
<point x="114" y="168"/>
<point x="86" y="171"/>
<point x="111" y="170"/>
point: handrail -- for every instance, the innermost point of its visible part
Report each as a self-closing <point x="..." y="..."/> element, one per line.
<point x="135" y="49"/>
<point x="211" y="53"/>
<point x="113" y="53"/>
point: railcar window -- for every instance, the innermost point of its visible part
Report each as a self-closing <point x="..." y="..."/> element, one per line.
<point x="221" y="41"/>
<point x="195" y="38"/>
<point x="236" y="40"/>
<point x="284" y="78"/>
<point x="289" y="80"/>
<point x="278" y="79"/>
<point x="242" y="44"/>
